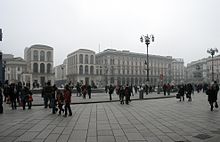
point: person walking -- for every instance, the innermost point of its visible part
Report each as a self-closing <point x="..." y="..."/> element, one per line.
<point x="181" y="92"/>
<point x="1" y="101"/>
<point x="89" y="89"/>
<point x="164" y="89"/>
<point x="67" y="99"/>
<point x="189" y="90"/>
<point x="84" y="91"/>
<point x="12" y="95"/>
<point x="47" y="93"/>
<point x="121" y="94"/>
<point x="111" y="90"/>
<point x="212" y="93"/>
<point x="60" y="101"/>
<point x="127" y="94"/>
<point x="24" y="97"/>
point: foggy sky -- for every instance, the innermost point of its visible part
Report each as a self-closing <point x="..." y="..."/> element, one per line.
<point x="182" y="28"/>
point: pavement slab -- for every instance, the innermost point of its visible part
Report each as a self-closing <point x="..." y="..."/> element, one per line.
<point x="154" y="120"/>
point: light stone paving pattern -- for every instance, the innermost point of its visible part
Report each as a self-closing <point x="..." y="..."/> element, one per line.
<point x="156" y="120"/>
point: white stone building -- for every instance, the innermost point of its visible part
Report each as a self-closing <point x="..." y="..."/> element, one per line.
<point x="39" y="59"/>
<point x="117" y="67"/>
<point x="81" y="66"/>
<point x="14" y="69"/>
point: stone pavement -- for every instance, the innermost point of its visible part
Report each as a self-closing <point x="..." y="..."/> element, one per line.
<point x="100" y="97"/>
<point x="156" y="120"/>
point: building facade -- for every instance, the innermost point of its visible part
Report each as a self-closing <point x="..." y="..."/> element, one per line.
<point x="178" y="73"/>
<point x="81" y="66"/>
<point x="197" y="71"/>
<point x="125" y="67"/>
<point x="118" y="67"/>
<point x="14" y="69"/>
<point x="39" y="59"/>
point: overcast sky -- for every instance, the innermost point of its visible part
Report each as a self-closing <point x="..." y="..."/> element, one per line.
<point x="182" y="28"/>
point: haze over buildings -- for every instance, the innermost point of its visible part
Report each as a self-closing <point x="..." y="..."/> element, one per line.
<point x="183" y="28"/>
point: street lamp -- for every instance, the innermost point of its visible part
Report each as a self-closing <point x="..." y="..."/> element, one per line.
<point x="147" y="39"/>
<point x="212" y="52"/>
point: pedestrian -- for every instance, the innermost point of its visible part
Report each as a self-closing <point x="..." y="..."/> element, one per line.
<point x="53" y="99"/>
<point x="6" y="92"/>
<point x="127" y="94"/>
<point x="67" y="99"/>
<point x="181" y="92"/>
<point x="89" y="89"/>
<point x="1" y="101"/>
<point x="212" y="93"/>
<point x="84" y="91"/>
<point x="111" y="90"/>
<point x="189" y="90"/>
<point x="121" y="94"/>
<point x="24" y="97"/>
<point x="60" y="101"/>
<point x="164" y="89"/>
<point x="78" y="90"/>
<point x="30" y="97"/>
<point x="47" y="93"/>
<point x="12" y="95"/>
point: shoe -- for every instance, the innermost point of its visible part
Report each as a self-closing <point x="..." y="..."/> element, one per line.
<point x="211" y="108"/>
<point x="70" y="114"/>
<point x="64" y="115"/>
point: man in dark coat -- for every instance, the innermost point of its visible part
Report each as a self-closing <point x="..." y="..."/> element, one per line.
<point x="111" y="90"/>
<point x="181" y="91"/>
<point x="212" y="93"/>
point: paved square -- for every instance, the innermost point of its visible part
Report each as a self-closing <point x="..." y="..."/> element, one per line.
<point x="156" y="120"/>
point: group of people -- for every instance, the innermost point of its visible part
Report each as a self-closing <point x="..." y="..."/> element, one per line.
<point x="53" y="97"/>
<point x="185" y="89"/>
<point x="15" y="94"/>
<point x="83" y="90"/>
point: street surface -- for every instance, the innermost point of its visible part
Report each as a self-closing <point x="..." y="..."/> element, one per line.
<point x="155" y="120"/>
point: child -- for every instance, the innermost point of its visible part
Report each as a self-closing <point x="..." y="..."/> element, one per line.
<point x="60" y="101"/>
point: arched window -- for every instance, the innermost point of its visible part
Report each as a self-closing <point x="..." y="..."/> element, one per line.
<point x="86" y="59"/>
<point x="91" y="70"/>
<point x="35" y="68"/>
<point x="35" y="57"/>
<point x="49" y="57"/>
<point x="42" y="56"/>
<point x="80" y="69"/>
<point x="91" y="59"/>
<point x="42" y="68"/>
<point x="49" y="68"/>
<point x="81" y="58"/>
<point x="86" y="70"/>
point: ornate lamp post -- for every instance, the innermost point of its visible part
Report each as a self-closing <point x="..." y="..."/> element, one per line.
<point x="147" y="39"/>
<point x="212" y="52"/>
